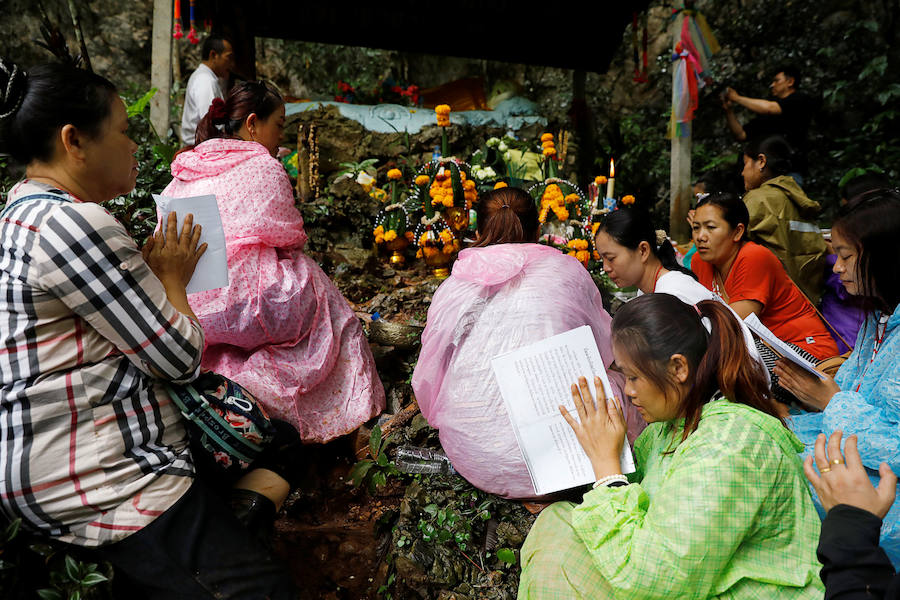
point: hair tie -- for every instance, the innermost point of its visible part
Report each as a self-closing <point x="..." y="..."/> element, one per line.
<point x="217" y="112"/>
<point x="14" y="77"/>
<point x="504" y="206"/>
<point x="661" y="237"/>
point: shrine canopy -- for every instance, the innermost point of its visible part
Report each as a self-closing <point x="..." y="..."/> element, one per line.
<point x="571" y="35"/>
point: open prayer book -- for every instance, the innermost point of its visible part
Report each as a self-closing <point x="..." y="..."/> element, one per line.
<point x="534" y="381"/>
<point x="777" y="346"/>
<point x="212" y="269"/>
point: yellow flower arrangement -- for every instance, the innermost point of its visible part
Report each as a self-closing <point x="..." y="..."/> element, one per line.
<point x="500" y="184"/>
<point x="378" y="232"/>
<point x="547" y="137"/>
<point x="442" y="112"/>
<point x="583" y="256"/>
<point x="446" y="236"/>
<point x="390" y="236"/>
<point x="600" y="180"/>
<point x="419" y="253"/>
<point x="441" y="191"/>
<point x="572" y="198"/>
<point x="422" y="180"/>
<point x="409" y="235"/>
<point x="378" y="194"/>
<point x="628" y="199"/>
<point x="549" y="152"/>
<point x="578" y="244"/>
<point x="394" y="174"/>
<point x="594" y="228"/>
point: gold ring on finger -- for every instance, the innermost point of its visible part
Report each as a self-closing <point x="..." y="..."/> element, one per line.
<point x="825" y="470"/>
<point x="837" y="461"/>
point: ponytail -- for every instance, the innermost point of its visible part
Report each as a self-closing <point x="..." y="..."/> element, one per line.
<point x="506" y="215"/>
<point x="226" y="117"/>
<point x="726" y="366"/>
<point x="652" y="328"/>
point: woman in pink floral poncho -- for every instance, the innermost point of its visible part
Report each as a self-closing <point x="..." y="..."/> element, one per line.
<point x="281" y="328"/>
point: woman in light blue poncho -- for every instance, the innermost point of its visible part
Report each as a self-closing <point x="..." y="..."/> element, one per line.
<point x="864" y="396"/>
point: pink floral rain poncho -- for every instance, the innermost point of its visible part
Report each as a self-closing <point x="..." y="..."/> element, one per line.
<point x="281" y="328"/>
<point x="500" y="298"/>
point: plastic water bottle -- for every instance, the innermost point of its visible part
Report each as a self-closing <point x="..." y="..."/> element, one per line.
<point x="436" y="153"/>
<point x="411" y="459"/>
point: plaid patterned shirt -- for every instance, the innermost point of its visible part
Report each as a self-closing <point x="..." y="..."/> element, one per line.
<point x="91" y="449"/>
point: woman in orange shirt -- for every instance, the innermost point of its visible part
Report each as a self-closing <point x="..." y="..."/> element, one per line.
<point x="752" y="280"/>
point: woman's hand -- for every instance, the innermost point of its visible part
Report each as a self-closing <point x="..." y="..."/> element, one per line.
<point x="600" y="429"/>
<point x="808" y="388"/>
<point x="846" y="482"/>
<point x="173" y="257"/>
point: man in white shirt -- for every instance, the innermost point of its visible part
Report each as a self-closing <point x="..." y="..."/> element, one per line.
<point x="204" y="84"/>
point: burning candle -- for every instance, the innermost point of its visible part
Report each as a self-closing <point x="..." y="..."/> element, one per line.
<point x="612" y="179"/>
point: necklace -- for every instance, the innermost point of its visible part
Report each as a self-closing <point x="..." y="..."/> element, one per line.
<point x="880" y="334"/>
<point x="656" y="278"/>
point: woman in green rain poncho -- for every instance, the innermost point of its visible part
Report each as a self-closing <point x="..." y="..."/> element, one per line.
<point x="718" y="507"/>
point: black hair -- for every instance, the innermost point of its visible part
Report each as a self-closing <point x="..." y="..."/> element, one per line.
<point x="778" y="152"/>
<point x="653" y="327"/>
<point x="34" y="106"/>
<point x="630" y="226"/>
<point x="863" y="183"/>
<point x="734" y="211"/>
<point x="213" y="43"/>
<point x="789" y="70"/>
<point x="506" y="215"/>
<point x="871" y="222"/>
<point x="246" y="98"/>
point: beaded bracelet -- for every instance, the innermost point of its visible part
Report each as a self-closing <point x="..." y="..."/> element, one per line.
<point x="610" y="479"/>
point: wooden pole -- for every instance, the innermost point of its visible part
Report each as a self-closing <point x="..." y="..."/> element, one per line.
<point x="680" y="169"/>
<point x="161" y="66"/>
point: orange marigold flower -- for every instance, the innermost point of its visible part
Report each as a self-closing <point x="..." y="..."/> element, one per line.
<point x="422" y="180"/>
<point x="419" y="253"/>
<point x="446" y="236"/>
<point x="442" y="109"/>
<point x="468" y="184"/>
<point x="390" y="236"/>
<point x="549" y="151"/>
<point x="448" y="201"/>
<point x="546" y="137"/>
<point x="583" y="256"/>
<point x="430" y="251"/>
<point x="548" y="144"/>
<point x="500" y="184"/>
<point x="394" y="174"/>
<point x="423" y="239"/>
<point x="594" y="228"/>
<point x="628" y="199"/>
<point x="378" y="230"/>
<point x="448" y="249"/>
<point x="572" y="198"/>
<point x="600" y="179"/>
<point x="561" y="214"/>
<point x="409" y="235"/>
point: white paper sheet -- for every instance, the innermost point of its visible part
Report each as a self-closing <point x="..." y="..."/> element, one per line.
<point x="534" y="381"/>
<point x="212" y="268"/>
<point x="779" y="346"/>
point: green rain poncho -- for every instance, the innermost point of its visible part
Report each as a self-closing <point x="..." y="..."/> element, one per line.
<point x="727" y="514"/>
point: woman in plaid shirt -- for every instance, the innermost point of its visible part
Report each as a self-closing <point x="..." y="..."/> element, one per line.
<point x="92" y="452"/>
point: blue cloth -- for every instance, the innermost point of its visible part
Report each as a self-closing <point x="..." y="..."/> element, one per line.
<point x="869" y="406"/>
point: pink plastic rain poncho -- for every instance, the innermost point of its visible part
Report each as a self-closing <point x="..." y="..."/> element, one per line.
<point x="281" y="328"/>
<point x="499" y="298"/>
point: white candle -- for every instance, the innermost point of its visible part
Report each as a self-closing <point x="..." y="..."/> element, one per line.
<point x="612" y="179"/>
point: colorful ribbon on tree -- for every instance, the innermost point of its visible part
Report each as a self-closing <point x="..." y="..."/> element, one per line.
<point x="178" y="33"/>
<point x="192" y="34"/>
<point x="693" y="50"/>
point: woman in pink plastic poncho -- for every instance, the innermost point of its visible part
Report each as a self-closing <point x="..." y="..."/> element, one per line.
<point x="280" y="328"/>
<point x="504" y="293"/>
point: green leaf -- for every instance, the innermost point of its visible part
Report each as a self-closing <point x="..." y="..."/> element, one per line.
<point x="359" y="470"/>
<point x="506" y="555"/>
<point x="851" y="174"/>
<point x="382" y="460"/>
<point x="48" y="594"/>
<point x="75" y="595"/>
<point x="431" y="509"/>
<point x="12" y="529"/>
<point x="141" y="103"/>
<point x="379" y="479"/>
<point x="375" y="441"/>
<point x="72" y="568"/>
<point x="93" y="579"/>
<point x="877" y="65"/>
